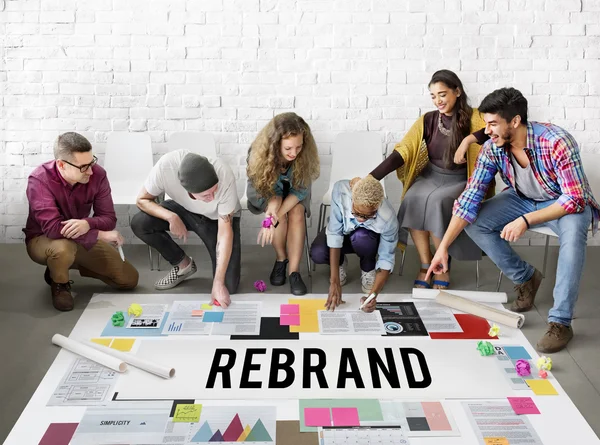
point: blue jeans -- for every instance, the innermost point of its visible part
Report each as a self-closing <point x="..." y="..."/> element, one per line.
<point x="572" y="234"/>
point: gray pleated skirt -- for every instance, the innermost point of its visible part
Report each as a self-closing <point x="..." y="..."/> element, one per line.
<point x="428" y="204"/>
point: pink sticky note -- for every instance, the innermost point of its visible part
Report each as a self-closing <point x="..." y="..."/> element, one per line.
<point x="436" y="416"/>
<point x="59" y="434"/>
<point x="317" y="417"/>
<point x="289" y="309"/>
<point x="197" y="313"/>
<point x="523" y="405"/>
<point x="345" y="416"/>
<point x="289" y="320"/>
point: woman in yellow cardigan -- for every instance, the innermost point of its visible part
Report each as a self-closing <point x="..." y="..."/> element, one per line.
<point x="425" y="163"/>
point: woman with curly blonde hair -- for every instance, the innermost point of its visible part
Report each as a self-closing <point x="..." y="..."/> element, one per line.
<point x="363" y="222"/>
<point x="282" y="164"/>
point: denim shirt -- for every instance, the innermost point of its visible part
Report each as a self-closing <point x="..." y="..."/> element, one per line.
<point x="342" y="222"/>
<point x="287" y="177"/>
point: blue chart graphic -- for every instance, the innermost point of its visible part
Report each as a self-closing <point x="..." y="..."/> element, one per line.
<point x="174" y="327"/>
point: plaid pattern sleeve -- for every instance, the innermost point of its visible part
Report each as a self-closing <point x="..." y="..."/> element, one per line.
<point x="468" y="203"/>
<point x="569" y="174"/>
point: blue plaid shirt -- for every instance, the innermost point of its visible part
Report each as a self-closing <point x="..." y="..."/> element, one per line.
<point x="556" y="163"/>
<point x="342" y="222"/>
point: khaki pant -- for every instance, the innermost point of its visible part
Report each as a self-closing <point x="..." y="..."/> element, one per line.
<point x="102" y="261"/>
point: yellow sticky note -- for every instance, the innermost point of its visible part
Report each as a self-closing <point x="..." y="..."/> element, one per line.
<point x="309" y="319"/>
<point x="542" y="387"/>
<point x="207" y="307"/>
<point x="187" y="413"/>
<point x="123" y="344"/>
<point x="495" y="441"/>
<point x="102" y="341"/>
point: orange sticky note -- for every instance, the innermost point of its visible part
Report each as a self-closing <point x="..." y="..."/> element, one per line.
<point x="495" y="441"/>
<point x="123" y="344"/>
<point x="197" y="313"/>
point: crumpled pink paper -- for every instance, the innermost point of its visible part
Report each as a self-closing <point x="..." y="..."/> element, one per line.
<point x="260" y="286"/>
<point x="523" y="368"/>
<point x="267" y="222"/>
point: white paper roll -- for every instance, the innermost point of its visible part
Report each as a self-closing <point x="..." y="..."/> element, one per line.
<point x="90" y="353"/>
<point x="502" y="316"/>
<point x="133" y="360"/>
<point x="483" y="297"/>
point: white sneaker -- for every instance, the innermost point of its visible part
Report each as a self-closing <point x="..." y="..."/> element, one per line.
<point x="176" y="276"/>
<point x="367" y="280"/>
<point x="343" y="274"/>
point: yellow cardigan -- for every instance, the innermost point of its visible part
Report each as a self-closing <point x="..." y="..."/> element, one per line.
<point x="413" y="150"/>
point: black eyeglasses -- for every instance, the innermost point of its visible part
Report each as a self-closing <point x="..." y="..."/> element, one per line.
<point x="85" y="167"/>
<point x="363" y="216"/>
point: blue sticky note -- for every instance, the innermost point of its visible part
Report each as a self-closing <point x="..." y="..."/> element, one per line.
<point x="213" y="317"/>
<point x="115" y="331"/>
<point x="517" y="352"/>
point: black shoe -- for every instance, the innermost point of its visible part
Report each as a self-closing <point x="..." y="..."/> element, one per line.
<point x="47" y="278"/>
<point x="278" y="273"/>
<point x="297" y="286"/>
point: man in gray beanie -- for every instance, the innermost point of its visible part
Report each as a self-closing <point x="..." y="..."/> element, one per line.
<point x="201" y="196"/>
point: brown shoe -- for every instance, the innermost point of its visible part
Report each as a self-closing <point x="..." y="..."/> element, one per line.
<point x="526" y="293"/>
<point x="556" y="338"/>
<point x="61" y="296"/>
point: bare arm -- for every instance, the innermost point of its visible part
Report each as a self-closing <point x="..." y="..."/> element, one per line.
<point x="224" y="246"/>
<point x="288" y="204"/>
<point x="147" y="204"/>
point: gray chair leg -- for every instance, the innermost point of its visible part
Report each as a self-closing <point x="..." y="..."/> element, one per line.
<point x="546" y="256"/>
<point x="477" y="275"/>
<point x="401" y="268"/>
<point x="150" y="258"/>
<point x="499" y="282"/>
<point x="158" y="261"/>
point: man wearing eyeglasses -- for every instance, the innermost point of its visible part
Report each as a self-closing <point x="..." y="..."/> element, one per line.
<point x="362" y="221"/>
<point x="60" y="233"/>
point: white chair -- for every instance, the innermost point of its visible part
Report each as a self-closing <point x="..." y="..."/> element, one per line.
<point x="351" y="156"/>
<point x="128" y="162"/>
<point x="592" y="160"/>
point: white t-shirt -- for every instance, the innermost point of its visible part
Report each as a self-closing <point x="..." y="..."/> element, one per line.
<point x="164" y="178"/>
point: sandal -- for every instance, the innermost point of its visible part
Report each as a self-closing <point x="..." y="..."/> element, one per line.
<point x="443" y="285"/>
<point x="420" y="284"/>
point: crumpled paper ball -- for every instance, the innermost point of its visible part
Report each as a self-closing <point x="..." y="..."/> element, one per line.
<point x="544" y="363"/>
<point x="543" y="374"/>
<point x="485" y="348"/>
<point x="260" y="286"/>
<point x="494" y="330"/>
<point x="118" y="319"/>
<point x="135" y="310"/>
<point x="267" y="222"/>
<point x="523" y="368"/>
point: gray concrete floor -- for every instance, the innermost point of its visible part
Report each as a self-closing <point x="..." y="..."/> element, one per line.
<point x="28" y="320"/>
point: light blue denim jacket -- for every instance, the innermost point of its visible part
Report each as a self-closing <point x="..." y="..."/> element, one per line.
<point x="342" y="222"/>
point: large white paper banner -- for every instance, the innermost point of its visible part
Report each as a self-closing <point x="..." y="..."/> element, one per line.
<point x="379" y="368"/>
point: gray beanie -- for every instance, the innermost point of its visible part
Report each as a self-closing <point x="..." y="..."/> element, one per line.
<point x="196" y="173"/>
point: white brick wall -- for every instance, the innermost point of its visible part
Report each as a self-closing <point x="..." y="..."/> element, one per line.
<point x="227" y="66"/>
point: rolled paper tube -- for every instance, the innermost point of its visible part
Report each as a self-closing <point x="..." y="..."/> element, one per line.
<point x="512" y="319"/>
<point x="98" y="356"/>
<point x="482" y="297"/>
<point x="133" y="360"/>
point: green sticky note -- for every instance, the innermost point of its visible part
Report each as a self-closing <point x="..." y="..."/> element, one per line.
<point x="207" y="307"/>
<point x="187" y="413"/>
<point x="368" y="409"/>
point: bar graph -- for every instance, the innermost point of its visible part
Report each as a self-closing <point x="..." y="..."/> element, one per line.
<point x="175" y="327"/>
